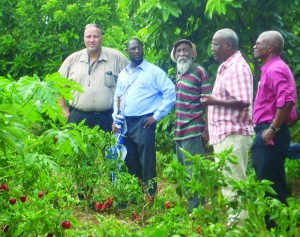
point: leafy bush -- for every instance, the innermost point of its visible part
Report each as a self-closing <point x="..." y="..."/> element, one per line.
<point x="45" y="164"/>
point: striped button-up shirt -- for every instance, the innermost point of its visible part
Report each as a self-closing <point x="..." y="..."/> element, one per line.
<point x="234" y="81"/>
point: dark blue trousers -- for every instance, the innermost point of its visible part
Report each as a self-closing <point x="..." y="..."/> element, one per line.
<point x="141" y="156"/>
<point x="268" y="160"/>
<point x="102" y="119"/>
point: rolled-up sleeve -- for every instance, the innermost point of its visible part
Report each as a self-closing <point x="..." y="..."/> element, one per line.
<point x="284" y="90"/>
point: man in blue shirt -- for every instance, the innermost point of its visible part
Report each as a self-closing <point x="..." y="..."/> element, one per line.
<point x="146" y="96"/>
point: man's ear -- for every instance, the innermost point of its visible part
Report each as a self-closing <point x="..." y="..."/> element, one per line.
<point x="229" y="44"/>
<point x="173" y="56"/>
<point x="194" y="51"/>
<point x="270" y="48"/>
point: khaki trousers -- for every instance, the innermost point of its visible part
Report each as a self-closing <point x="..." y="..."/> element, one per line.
<point x="241" y="145"/>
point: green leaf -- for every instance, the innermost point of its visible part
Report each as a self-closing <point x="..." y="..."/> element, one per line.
<point x="12" y="109"/>
<point x="11" y="141"/>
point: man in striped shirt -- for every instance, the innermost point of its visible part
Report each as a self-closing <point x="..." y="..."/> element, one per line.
<point x="192" y="81"/>
<point x="230" y="106"/>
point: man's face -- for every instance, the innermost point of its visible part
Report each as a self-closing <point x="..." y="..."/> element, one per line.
<point x="219" y="48"/>
<point x="260" y="49"/>
<point x="92" y="39"/>
<point x="135" y="51"/>
<point x="183" y="54"/>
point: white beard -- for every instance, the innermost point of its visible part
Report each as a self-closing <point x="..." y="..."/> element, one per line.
<point x="183" y="65"/>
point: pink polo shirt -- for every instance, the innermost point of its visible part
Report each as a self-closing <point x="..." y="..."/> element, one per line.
<point x="276" y="87"/>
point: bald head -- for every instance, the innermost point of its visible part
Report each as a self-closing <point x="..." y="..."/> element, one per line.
<point x="224" y="44"/>
<point x="228" y="35"/>
<point x="275" y="39"/>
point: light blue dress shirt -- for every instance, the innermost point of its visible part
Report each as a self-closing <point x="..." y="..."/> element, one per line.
<point x="147" y="89"/>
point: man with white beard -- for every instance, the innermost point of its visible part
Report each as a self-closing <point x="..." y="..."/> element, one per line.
<point x="190" y="129"/>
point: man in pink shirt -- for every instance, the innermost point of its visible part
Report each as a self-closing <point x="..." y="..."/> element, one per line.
<point x="274" y="111"/>
<point x="230" y="106"/>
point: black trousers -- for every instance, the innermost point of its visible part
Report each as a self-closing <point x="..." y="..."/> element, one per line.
<point x="268" y="160"/>
<point x="141" y="156"/>
<point x="102" y="119"/>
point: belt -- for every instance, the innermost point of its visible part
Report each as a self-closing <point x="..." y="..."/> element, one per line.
<point x="261" y="126"/>
<point x="91" y="112"/>
<point x="138" y="117"/>
<point x="265" y="125"/>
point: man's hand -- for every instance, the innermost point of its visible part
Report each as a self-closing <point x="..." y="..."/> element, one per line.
<point x="150" y="121"/>
<point x="268" y="136"/>
<point x="66" y="113"/>
<point x="114" y="127"/>
<point x="205" y="136"/>
<point x="63" y="105"/>
<point x="207" y="99"/>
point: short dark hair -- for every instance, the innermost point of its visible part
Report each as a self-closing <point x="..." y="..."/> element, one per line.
<point x="134" y="39"/>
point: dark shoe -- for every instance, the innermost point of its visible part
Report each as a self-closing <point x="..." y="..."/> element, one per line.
<point x="122" y="205"/>
<point x="80" y="196"/>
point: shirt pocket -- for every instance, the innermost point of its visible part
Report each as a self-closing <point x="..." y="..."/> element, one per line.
<point x="143" y="84"/>
<point x="110" y="79"/>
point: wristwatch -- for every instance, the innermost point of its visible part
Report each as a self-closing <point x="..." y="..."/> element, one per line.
<point x="274" y="129"/>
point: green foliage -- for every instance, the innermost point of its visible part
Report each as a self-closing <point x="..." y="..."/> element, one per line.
<point x="27" y="101"/>
<point x="127" y="189"/>
<point x="199" y="20"/>
<point x="37" y="35"/>
<point x="220" y="7"/>
<point x="165" y="8"/>
<point x="164" y="134"/>
<point x="40" y="153"/>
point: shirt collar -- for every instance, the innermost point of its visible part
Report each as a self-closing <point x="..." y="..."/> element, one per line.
<point x="85" y="57"/>
<point x="270" y="61"/>
<point x="103" y="55"/>
<point x="141" y="66"/>
<point x="231" y="59"/>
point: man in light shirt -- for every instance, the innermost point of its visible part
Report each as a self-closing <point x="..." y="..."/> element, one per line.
<point x="147" y="95"/>
<point x="96" y="69"/>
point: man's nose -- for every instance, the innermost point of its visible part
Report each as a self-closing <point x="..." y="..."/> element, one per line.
<point x="181" y="53"/>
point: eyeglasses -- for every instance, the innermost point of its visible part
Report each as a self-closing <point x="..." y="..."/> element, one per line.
<point x="217" y="45"/>
<point x="260" y="43"/>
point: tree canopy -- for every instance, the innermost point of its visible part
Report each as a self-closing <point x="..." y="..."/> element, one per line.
<point x="37" y="35"/>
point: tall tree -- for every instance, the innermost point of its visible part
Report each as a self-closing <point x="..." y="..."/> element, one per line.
<point x="162" y="22"/>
